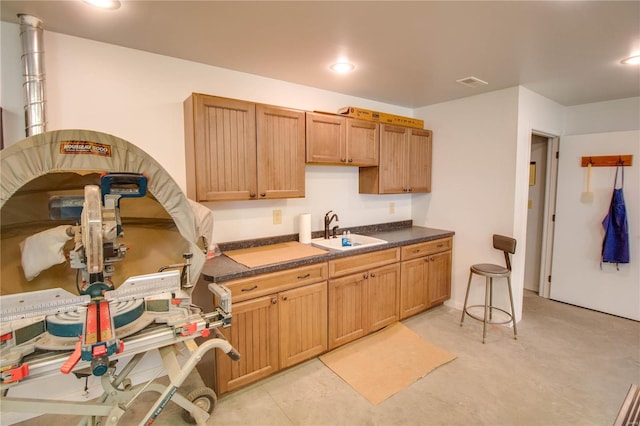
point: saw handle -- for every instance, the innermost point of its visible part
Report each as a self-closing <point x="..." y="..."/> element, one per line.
<point x="73" y="359"/>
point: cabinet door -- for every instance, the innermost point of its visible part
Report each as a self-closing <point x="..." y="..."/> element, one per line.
<point x="419" y="161"/>
<point x="224" y="148"/>
<point x="326" y="139"/>
<point x="303" y="323"/>
<point x="393" y="153"/>
<point x="254" y="333"/>
<point x="280" y="152"/>
<point x="413" y="287"/>
<point x="439" y="281"/>
<point x="362" y="142"/>
<point x="347" y="309"/>
<point x="382" y="289"/>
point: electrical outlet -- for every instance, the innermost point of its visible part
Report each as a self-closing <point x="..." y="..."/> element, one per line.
<point x="277" y="217"/>
<point x="392" y="208"/>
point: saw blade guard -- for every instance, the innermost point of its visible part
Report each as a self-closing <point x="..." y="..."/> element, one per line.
<point x="92" y="229"/>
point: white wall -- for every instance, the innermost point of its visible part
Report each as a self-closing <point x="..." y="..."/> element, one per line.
<point x="474" y="152"/>
<point x="602" y="128"/>
<point x="482" y="147"/>
<point x="543" y="116"/>
<point x="600" y="117"/>
<point x="577" y="277"/>
<point x="138" y="96"/>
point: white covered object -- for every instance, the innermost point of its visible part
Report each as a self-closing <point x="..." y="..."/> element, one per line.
<point x="90" y="152"/>
<point x="43" y="250"/>
<point x="204" y="223"/>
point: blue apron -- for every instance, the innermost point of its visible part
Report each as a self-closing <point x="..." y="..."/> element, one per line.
<point x="615" y="246"/>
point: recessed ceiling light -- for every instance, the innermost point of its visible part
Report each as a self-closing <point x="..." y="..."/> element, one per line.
<point x="342" y="67"/>
<point x="104" y="4"/>
<point x="631" y="60"/>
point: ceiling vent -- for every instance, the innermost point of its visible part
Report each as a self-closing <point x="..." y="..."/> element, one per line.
<point x="472" y="82"/>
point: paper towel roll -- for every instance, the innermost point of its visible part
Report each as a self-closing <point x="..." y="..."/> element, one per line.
<point x="304" y="228"/>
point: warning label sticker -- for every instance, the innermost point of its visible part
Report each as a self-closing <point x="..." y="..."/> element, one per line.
<point x="85" y="147"/>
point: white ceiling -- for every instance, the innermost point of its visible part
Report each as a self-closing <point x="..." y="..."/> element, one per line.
<point x="408" y="54"/>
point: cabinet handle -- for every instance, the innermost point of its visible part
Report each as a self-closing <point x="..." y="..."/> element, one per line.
<point x="284" y="298"/>
<point x="252" y="195"/>
<point x="409" y="190"/>
<point x="426" y="259"/>
<point x="416" y="251"/>
<point x="433" y="258"/>
<point x="440" y="245"/>
<point x="274" y="301"/>
<point x="249" y="288"/>
<point x="365" y="276"/>
<point x="372" y="275"/>
<point x="300" y="277"/>
<point x="351" y="160"/>
<point x="343" y="160"/>
<point x="264" y="194"/>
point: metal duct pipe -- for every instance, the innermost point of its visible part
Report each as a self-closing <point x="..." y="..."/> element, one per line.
<point x="33" y="74"/>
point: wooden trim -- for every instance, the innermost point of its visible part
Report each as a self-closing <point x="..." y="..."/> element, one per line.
<point x="607" y="160"/>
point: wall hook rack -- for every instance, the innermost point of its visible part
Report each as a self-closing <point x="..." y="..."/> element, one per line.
<point x="607" y="160"/>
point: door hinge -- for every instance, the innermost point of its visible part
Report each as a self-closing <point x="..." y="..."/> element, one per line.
<point x="553" y="217"/>
<point x="557" y="154"/>
<point x="549" y="279"/>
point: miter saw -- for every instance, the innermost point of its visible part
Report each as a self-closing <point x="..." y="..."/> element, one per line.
<point x="47" y="332"/>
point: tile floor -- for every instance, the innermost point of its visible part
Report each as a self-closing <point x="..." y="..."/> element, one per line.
<point x="569" y="366"/>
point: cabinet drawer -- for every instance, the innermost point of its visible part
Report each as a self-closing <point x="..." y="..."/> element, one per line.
<point x="422" y="249"/>
<point x="350" y="264"/>
<point x="261" y="285"/>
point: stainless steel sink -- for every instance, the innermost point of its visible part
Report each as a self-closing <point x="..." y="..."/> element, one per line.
<point x="357" y="241"/>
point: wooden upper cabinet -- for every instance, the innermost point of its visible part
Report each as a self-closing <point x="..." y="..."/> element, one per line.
<point x="405" y="162"/>
<point x="281" y="151"/>
<point x="362" y="142"/>
<point x="326" y="139"/>
<point x="336" y="140"/>
<point x="220" y="145"/>
<point x="419" y="161"/>
<point x="237" y="150"/>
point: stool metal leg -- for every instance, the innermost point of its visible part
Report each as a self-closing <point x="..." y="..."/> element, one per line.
<point x="466" y="297"/>
<point x="490" y="298"/>
<point x="513" y="312"/>
<point x="486" y="308"/>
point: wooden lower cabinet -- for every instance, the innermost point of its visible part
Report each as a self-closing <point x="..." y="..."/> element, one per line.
<point x="426" y="279"/>
<point x="413" y="288"/>
<point x="383" y="296"/>
<point x="303" y="323"/>
<point x="347" y="309"/>
<point x="273" y="332"/>
<point x="362" y="303"/>
<point x="254" y="333"/>
<point x="439" y="281"/>
<point x="286" y="317"/>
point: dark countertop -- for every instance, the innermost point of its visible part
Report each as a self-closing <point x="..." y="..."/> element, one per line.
<point x="222" y="268"/>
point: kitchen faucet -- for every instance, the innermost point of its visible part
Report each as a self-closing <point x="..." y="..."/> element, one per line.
<point x="327" y="222"/>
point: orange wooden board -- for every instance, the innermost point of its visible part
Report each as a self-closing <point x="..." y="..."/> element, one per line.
<point x="382" y="364"/>
<point x="274" y="253"/>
